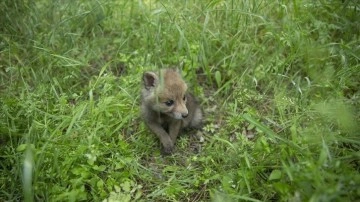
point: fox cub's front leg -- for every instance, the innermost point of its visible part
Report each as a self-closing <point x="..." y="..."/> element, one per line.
<point x="165" y="139"/>
<point x="174" y="129"/>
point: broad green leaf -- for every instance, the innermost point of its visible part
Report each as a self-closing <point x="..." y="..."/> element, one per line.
<point x="275" y="175"/>
<point x="218" y="78"/>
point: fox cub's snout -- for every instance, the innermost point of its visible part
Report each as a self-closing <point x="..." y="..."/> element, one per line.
<point x="167" y="106"/>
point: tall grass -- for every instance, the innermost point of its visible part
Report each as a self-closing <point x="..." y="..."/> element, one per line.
<point x="278" y="82"/>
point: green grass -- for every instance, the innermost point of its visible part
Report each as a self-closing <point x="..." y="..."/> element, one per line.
<point x="283" y="73"/>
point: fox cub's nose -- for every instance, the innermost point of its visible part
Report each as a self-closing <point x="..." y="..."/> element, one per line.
<point x="185" y="115"/>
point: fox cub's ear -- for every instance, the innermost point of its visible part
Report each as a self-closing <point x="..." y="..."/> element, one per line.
<point x="150" y="80"/>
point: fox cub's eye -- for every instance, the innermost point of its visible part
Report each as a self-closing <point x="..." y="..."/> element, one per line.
<point x="169" y="103"/>
<point x="184" y="98"/>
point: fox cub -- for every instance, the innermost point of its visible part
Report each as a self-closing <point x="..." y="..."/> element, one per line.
<point x="167" y="107"/>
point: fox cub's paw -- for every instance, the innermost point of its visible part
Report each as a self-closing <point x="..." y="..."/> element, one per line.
<point x="168" y="146"/>
<point x="167" y="150"/>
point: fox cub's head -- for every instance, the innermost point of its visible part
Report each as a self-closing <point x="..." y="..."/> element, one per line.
<point x="165" y="92"/>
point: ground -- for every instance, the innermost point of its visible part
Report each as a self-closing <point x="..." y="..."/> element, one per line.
<point x="278" y="82"/>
